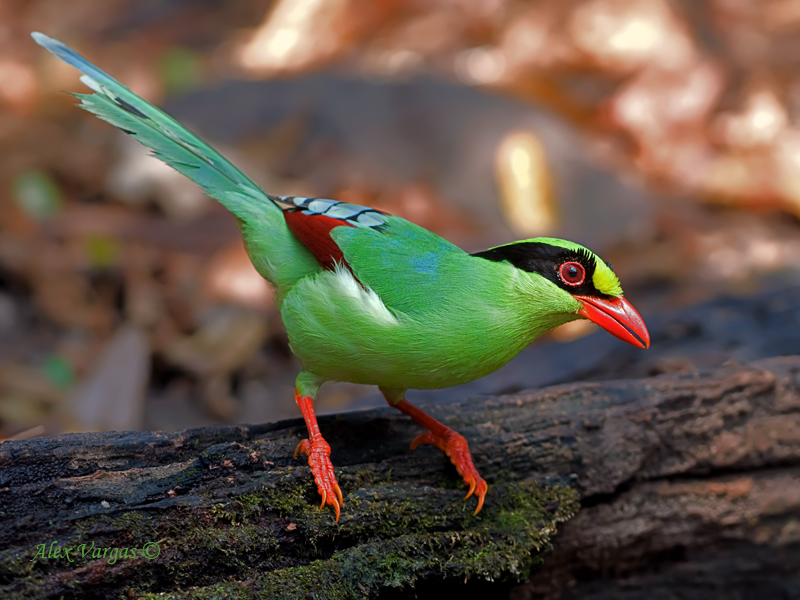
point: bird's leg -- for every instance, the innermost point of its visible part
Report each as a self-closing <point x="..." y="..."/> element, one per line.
<point x="319" y="455"/>
<point x="448" y="441"/>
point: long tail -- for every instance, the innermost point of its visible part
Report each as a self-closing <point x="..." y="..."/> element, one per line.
<point x="275" y="252"/>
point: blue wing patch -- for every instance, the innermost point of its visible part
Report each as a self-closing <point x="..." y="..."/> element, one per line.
<point x="354" y="214"/>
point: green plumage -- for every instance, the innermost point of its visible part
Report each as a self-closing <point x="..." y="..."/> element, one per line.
<point x="371" y="298"/>
<point x="422" y="313"/>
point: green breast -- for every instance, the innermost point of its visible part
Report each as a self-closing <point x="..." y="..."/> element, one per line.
<point x="477" y="318"/>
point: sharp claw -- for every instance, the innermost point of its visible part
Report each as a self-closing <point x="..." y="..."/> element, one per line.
<point x="327" y="485"/>
<point x="336" y="506"/>
<point x="471" y="491"/>
<point x="480" y="503"/>
<point x="455" y="447"/>
<point x="338" y="491"/>
<point x="318" y="452"/>
<point x="298" y="448"/>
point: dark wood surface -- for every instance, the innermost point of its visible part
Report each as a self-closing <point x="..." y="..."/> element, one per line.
<point x="694" y="470"/>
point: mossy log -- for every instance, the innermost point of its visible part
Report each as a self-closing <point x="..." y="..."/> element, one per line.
<point x="672" y="461"/>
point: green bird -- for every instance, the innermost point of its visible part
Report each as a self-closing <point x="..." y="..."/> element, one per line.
<point x="370" y="298"/>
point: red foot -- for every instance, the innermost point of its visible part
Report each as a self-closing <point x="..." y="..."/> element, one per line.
<point x="455" y="446"/>
<point x="319" y="459"/>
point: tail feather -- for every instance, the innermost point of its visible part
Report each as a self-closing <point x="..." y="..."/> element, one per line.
<point x="274" y="250"/>
<point x="170" y="141"/>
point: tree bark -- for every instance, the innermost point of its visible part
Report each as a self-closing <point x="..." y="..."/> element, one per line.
<point x="664" y="468"/>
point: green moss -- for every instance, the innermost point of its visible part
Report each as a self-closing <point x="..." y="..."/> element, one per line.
<point x="225" y="541"/>
<point x="223" y="591"/>
<point x="136" y="524"/>
<point x="242" y="509"/>
<point x="510" y="535"/>
<point x="23" y="575"/>
<point x="189" y="475"/>
<point x="239" y="538"/>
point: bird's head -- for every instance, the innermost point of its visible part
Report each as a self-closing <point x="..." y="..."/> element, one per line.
<point x="583" y="284"/>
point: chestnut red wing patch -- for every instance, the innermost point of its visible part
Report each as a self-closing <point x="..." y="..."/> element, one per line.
<point x="312" y="219"/>
<point x="314" y="231"/>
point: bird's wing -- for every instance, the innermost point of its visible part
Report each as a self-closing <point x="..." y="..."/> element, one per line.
<point x="313" y="219"/>
<point x="287" y="238"/>
<point x="275" y="252"/>
<point x="406" y="265"/>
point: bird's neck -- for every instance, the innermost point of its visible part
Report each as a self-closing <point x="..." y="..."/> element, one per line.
<point x="528" y="305"/>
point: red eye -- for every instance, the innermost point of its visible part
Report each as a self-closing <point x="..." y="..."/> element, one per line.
<point x="572" y="273"/>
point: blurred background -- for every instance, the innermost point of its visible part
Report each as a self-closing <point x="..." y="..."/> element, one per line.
<point x="663" y="134"/>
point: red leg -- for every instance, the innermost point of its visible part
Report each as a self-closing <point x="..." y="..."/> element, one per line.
<point x="448" y="441"/>
<point x="319" y="456"/>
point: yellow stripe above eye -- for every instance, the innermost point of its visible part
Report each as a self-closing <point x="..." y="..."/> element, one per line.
<point x="605" y="280"/>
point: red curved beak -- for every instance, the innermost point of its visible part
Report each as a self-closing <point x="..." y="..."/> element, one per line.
<point x="618" y="317"/>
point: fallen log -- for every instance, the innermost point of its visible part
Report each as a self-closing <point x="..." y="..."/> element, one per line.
<point x="681" y="461"/>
